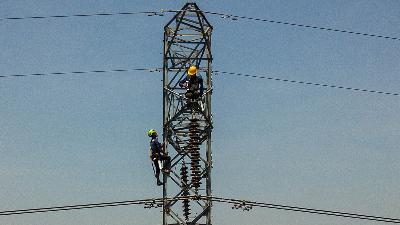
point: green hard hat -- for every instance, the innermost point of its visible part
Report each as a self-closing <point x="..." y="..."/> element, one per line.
<point x="151" y="132"/>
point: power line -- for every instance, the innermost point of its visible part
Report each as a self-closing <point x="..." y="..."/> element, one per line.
<point x="237" y="204"/>
<point x="148" y="13"/>
<point x="223" y="15"/>
<point x="216" y="72"/>
<point x="81" y="206"/>
<point x="80" y="72"/>
<point x="247" y="205"/>
<point x="148" y="203"/>
<point x="307" y="83"/>
<point x="235" y="17"/>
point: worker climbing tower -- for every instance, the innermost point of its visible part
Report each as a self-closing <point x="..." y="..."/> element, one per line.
<point x="187" y="123"/>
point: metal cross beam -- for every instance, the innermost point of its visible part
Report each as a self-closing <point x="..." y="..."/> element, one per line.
<point x="187" y="123"/>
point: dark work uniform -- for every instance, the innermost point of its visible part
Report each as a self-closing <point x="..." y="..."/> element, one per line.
<point x="157" y="155"/>
<point x="194" y="86"/>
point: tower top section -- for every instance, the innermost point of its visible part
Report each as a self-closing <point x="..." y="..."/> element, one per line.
<point x="187" y="39"/>
<point x="189" y="17"/>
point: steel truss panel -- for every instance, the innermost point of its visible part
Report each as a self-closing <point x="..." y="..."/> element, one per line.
<point x="187" y="124"/>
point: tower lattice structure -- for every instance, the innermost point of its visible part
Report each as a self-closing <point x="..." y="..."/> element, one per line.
<point x="187" y="124"/>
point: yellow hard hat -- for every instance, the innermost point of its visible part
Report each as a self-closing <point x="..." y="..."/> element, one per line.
<point x="152" y="132"/>
<point x="192" y="70"/>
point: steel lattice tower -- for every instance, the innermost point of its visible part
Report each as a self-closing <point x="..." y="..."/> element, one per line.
<point x="187" y="124"/>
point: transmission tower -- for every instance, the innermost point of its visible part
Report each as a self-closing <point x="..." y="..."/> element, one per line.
<point x="187" y="124"/>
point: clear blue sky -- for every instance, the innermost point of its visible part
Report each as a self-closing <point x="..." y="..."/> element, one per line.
<point x="73" y="139"/>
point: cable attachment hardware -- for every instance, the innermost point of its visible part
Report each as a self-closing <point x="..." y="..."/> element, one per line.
<point x="242" y="205"/>
<point x="155" y="14"/>
<point x="152" y="70"/>
<point x="229" y="16"/>
<point x="152" y="204"/>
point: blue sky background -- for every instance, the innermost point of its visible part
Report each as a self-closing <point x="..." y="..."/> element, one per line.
<point x="71" y="139"/>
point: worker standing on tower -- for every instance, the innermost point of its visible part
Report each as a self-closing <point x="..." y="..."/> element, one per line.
<point x="157" y="156"/>
<point x="193" y="84"/>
